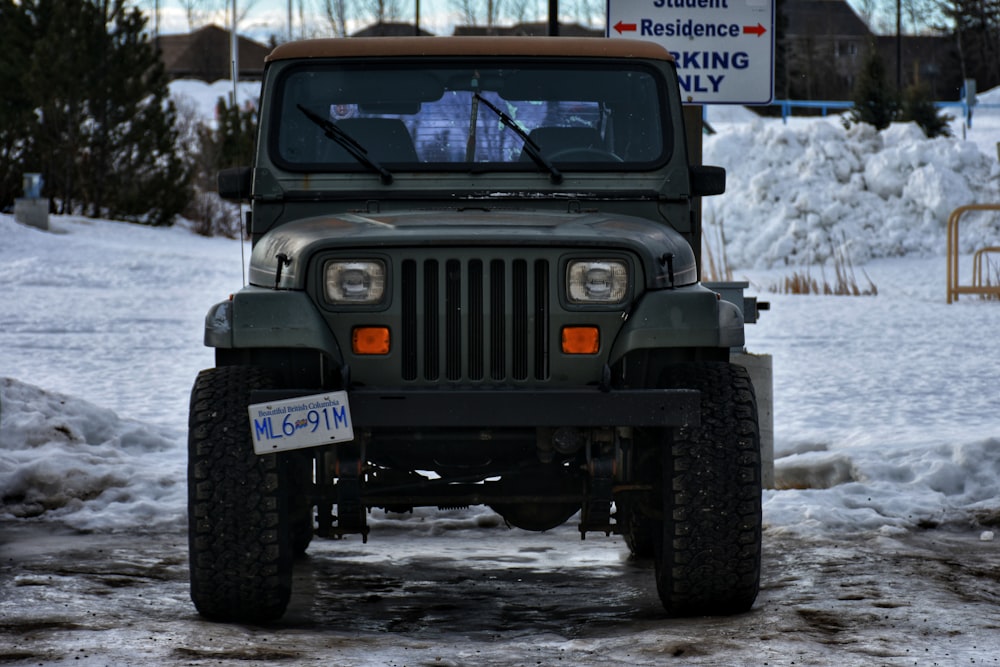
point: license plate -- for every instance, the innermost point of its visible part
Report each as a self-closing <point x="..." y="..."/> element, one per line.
<point x="297" y="423"/>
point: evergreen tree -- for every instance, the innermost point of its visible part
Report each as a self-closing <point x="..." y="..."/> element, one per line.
<point x="15" y="104"/>
<point x="875" y="101"/>
<point x="975" y="25"/>
<point x="231" y="142"/>
<point x="102" y="129"/>
<point x="137" y="173"/>
<point x="57" y="79"/>
<point x="919" y="108"/>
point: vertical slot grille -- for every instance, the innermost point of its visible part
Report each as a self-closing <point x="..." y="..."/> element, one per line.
<point x="408" y="348"/>
<point x="476" y="320"/>
<point x="431" y="321"/>
<point x="498" y="317"/>
<point x="477" y="342"/>
<point x="453" y="319"/>
<point x="541" y="320"/>
<point x="519" y="319"/>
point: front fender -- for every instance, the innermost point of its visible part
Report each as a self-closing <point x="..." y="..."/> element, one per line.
<point x="256" y="317"/>
<point x="685" y="317"/>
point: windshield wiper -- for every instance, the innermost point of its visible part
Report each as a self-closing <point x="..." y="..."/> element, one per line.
<point x="530" y="147"/>
<point x="347" y="142"/>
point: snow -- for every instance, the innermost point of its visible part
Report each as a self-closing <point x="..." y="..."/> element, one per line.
<point x="798" y="193"/>
<point x="886" y="411"/>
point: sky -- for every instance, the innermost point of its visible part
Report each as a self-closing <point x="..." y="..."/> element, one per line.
<point x="267" y="17"/>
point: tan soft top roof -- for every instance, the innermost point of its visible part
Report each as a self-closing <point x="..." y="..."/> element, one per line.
<point x="360" y="47"/>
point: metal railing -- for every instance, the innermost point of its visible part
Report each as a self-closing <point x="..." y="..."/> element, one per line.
<point x="980" y="281"/>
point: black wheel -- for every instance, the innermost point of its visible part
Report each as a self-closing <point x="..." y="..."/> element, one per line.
<point x="238" y="517"/>
<point x="637" y="525"/>
<point x="302" y="512"/>
<point x="638" y="513"/>
<point x="707" y="552"/>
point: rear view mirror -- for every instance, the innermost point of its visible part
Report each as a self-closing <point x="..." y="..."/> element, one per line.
<point x="707" y="180"/>
<point x="234" y="183"/>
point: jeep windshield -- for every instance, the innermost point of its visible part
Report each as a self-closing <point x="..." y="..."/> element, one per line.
<point x="505" y="116"/>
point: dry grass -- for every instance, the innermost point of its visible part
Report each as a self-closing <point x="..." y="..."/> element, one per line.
<point x="715" y="268"/>
<point x="986" y="270"/>
<point x="715" y="262"/>
<point x="845" y="282"/>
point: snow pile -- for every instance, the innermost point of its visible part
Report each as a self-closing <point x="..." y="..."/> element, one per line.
<point x="64" y="458"/>
<point x="885" y="490"/>
<point x="799" y="194"/>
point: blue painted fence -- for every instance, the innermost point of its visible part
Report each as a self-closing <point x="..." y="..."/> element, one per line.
<point x="825" y="106"/>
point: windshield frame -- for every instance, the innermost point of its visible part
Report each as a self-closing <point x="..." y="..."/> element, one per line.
<point x="659" y="119"/>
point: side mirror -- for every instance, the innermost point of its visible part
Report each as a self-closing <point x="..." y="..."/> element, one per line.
<point x="235" y="183"/>
<point x="707" y="180"/>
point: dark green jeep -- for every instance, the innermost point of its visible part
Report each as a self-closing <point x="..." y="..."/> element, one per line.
<point x="474" y="281"/>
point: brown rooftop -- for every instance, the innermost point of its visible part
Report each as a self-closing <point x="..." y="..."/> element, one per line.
<point x="471" y="46"/>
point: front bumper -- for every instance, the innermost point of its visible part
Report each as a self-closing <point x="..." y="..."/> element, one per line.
<point x="510" y="408"/>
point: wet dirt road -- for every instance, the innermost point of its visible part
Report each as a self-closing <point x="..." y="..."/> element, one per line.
<point x="498" y="597"/>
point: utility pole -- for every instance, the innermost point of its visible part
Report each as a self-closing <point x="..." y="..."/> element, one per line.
<point x="899" y="45"/>
<point x="234" y="49"/>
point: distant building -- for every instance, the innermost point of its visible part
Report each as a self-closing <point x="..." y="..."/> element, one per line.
<point x="824" y="43"/>
<point x="537" y="29"/>
<point x="205" y="54"/>
<point x="384" y="29"/>
<point x="929" y="60"/>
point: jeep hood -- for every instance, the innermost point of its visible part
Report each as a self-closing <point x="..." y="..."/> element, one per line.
<point x="666" y="258"/>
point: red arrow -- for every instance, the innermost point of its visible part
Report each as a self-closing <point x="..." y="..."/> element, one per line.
<point x="629" y="27"/>
<point x="754" y="29"/>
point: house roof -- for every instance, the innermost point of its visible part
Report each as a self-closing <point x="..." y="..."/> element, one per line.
<point x="822" y="17"/>
<point x="536" y="29"/>
<point x="389" y="29"/>
<point x="205" y="54"/>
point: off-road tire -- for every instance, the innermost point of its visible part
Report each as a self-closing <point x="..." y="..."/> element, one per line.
<point x="638" y="512"/>
<point x="238" y="518"/>
<point x="299" y="466"/>
<point x="637" y="528"/>
<point x="708" y="552"/>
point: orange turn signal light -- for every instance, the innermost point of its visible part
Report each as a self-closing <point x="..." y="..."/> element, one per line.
<point x="581" y="340"/>
<point x="370" y="340"/>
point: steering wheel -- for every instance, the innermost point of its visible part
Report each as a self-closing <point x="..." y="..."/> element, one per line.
<point x="584" y="154"/>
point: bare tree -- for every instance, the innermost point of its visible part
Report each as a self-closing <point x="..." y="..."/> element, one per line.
<point x="381" y="11"/>
<point x="588" y="12"/>
<point x="200" y="13"/>
<point x="479" y="12"/>
<point x="336" y="12"/>
<point x="867" y="10"/>
<point x="922" y="15"/>
<point x="521" y="11"/>
<point x="197" y="12"/>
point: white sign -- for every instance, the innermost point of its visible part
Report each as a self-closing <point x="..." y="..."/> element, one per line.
<point x="724" y="48"/>
<point x="295" y="423"/>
